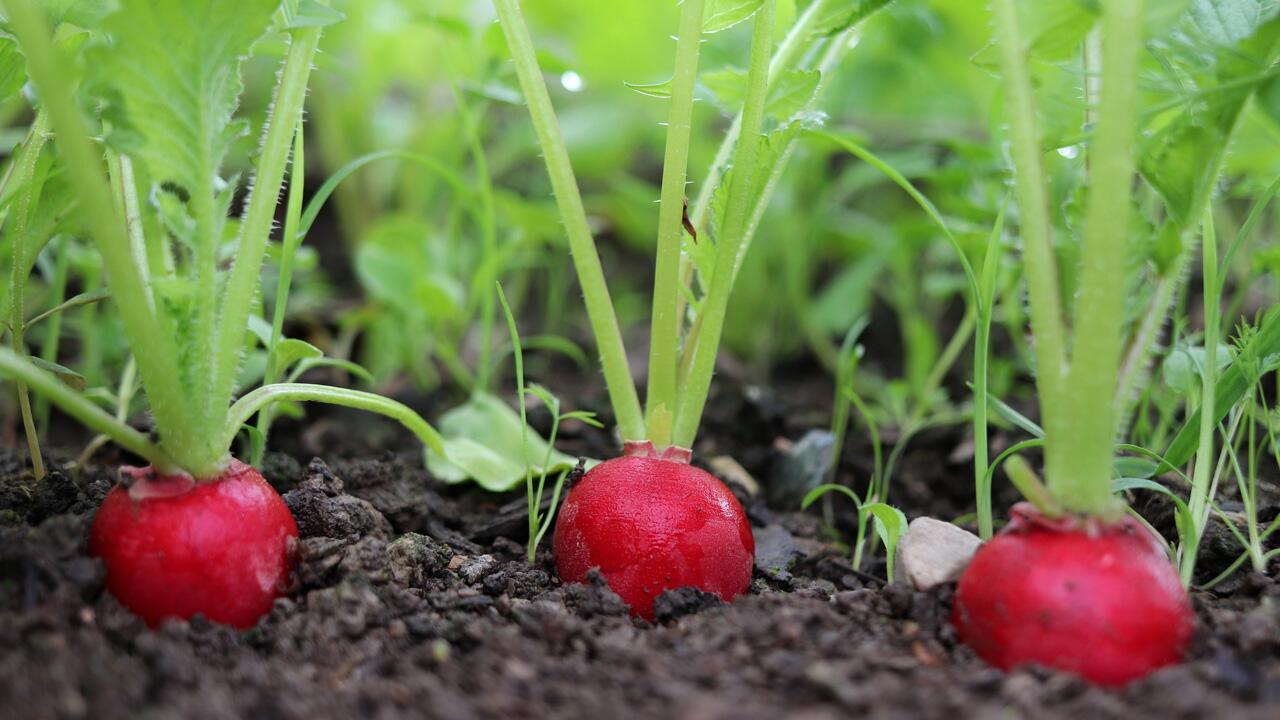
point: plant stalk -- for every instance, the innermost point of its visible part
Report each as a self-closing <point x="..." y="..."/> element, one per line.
<point x="586" y="261"/>
<point x="664" y="335"/>
<point x="693" y="396"/>
<point x="1079" y="459"/>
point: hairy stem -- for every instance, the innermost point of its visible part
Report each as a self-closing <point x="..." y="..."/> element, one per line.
<point x="693" y="396"/>
<point x="586" y="261"/>
<point x="1033" y="204"/>
<point x="255" y="229"/>
<point x="664" y="335"/>
<point x="1079" y="473"/>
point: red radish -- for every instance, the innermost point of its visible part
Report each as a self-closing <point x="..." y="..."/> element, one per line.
<point x="1093" y="598"/>
<point x="652" y="523"/>
<point x="174" y="547"/>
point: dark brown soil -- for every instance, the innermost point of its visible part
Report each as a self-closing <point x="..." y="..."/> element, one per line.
<point x="412" y="601"/>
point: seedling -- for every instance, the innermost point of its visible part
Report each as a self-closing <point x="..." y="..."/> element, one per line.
<point x="195" y="530"/>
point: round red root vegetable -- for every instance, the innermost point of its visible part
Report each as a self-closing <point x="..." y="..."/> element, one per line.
<point x="1100" y="600"/>
<point x="174" y="547"/>
<point x="652" y="523"/>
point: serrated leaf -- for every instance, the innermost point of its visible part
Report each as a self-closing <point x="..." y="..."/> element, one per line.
<point x="1226" y="22"/>
<point x="167" y="75"/>
<point x="1182" y="155"/>
<point x="724" y="14"/>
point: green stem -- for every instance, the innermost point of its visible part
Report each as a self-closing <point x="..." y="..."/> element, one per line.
<point x="245" y="407"/>
<point x="1201" y="486"/>
<point x="1078" y="469"/>
<point x="664" y="335"/>
<point x="289" y="243"/>
<point x="84" y="410"/>
<point x="693" y="396"/>
<point x="487" y="272"/>
<point x="259" y="214"/>
<point x="48" y="70"/>
<point x="981" y="350"/>
<point x="1033" y="204"/>
<point x="586" y="261"/>
<point x="23" y="171"/>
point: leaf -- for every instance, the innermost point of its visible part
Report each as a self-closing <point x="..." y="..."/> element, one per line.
<point x="1131" y="467"/>
<point x="309" y="364"/>
<point x="843" y="15"/>
<point x="1013" y="416"/>
<point x="658" y="89"/>
<point x="397" y="264"/>
<point x="788" y="95"/>
<point x="1126" y="484"/>
<point x="821" y="490"/>
<point x="1232" y="385"/>
<point x="291" y="350"/>
<point x="310" y="13"/>
<point x="890" y="525"/>
<point x="484" y="443"/>
<point x="69" y="377"/>
<point x="85" y="298"/>
<point x="1226" y="22"/>
<point x="13" y="68"/>
<point x="1182" y="155"/>
<point x="724" y="14"/>
<point x="168" y="78"/>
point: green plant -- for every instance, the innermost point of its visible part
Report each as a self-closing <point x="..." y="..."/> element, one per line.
<point x="539" y="520"/>
<point x="168" y="116"/>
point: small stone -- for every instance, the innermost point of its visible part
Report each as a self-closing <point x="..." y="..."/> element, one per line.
<point x="933" y="552"/>
<point x="776" y="551"/>
<point x="475" y="568"/>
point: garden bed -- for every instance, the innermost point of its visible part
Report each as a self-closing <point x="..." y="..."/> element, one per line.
<point x="412" y="600"/>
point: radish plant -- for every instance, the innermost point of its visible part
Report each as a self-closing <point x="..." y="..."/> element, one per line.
<point x="1039" y="592"/>
<point x="196" y="531"/>
<point x="649" y="520"/>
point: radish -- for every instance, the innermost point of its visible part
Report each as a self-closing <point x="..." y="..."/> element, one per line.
<point x="174" y="547"/>
<point x="650" y="521"/>
<point x="1073" y="583"/>
<point x="1097" y="599"/>
<point x="650" y="524"/>
<point x="197" y="531"/>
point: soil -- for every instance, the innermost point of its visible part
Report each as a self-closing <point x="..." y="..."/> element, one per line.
<point x="412" y="600"/>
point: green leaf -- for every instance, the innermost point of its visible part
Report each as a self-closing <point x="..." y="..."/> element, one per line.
<point x="1232" y="385"/>
<point x="723" y="14"/>
<point x="788" y="95"/>
<point x="1002" y="409"/>
<point x="1126" y="484"/>
<point x="890" y="525"/>
<point x="825" y="488"/>
<point x="1131" y="467"/>
<point x="69" y="377"/>
<point x="310" y="13"/>
<point x="398" y="264"/>
<point x="658" y="89"/>
<point x="85" y="298"/>
<point x="1182" y="156"/>
<point x="484" y="443"/>
<point x="13" y="68"/>
<point x="843" y="15"/>
<point x="168" y="77"/>
<point x="291" y="350"/>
